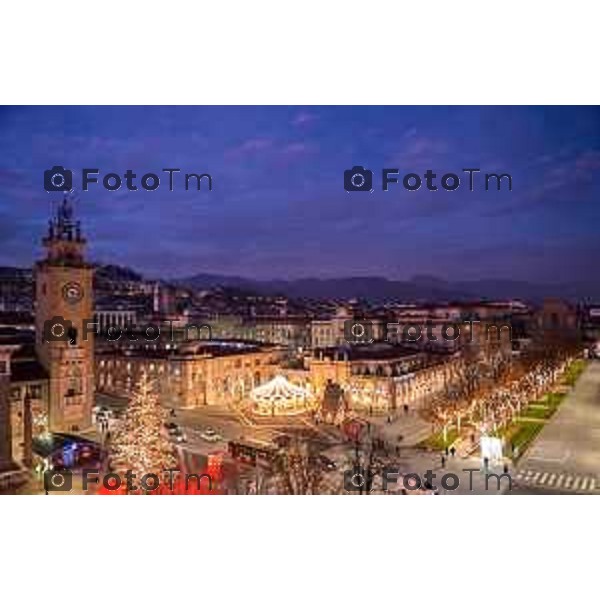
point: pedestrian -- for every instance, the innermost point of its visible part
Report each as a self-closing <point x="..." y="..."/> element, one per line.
<point x="453" y="451"/>
<point x="443" y="461"/>
<point x="472" y="438"/>
<point x="505" y="469"/>
<point x="447" y="451"/>
<point x="486" y="463"/>
<point x="405" y="408"/>
<point x="397" y="450"/>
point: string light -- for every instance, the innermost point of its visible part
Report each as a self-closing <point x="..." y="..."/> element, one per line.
<point x="140" y="443"/>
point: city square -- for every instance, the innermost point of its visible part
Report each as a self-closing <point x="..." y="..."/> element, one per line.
<point x="270" y="416"/>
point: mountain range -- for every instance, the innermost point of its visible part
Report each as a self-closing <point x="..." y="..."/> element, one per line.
<point x="375" y="289"/>
<point x="379" y="289"/>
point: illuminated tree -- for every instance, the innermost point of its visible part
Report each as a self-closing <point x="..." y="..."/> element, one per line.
<point x="141" y="443"/>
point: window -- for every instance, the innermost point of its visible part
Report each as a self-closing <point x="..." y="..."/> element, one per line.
<point x="74" y="386"/>
<point x="3" y="367"/>
<point x="34" y="392"/>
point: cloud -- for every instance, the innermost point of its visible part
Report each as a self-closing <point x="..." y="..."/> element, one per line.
<point x="250" y="147"/>
<point x="586" y="165"/>
<point x="418" y="151"/>
<point x="560" y="181"/>
<point x="303" y="118"/>
<point x="278" y="152"/>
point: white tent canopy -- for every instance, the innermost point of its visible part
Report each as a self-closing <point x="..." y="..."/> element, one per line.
<point x="280" y="397"/>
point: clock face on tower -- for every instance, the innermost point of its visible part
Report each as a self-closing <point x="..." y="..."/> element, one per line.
<point x="72" y="292"/>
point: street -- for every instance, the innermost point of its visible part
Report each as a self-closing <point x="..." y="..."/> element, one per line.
<point x="565" y="457"/>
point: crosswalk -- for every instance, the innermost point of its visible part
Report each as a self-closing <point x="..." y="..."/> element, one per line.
<point x="568" y="482"/>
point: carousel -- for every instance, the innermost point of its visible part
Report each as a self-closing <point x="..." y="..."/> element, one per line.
<point x="279" y="397"/>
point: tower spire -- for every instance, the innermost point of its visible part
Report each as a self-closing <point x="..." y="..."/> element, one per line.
<point x="64" y="240"/>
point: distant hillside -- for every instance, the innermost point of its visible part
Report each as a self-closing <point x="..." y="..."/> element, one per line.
<point x="376" y="289"/>
<point x="379" y="289"/>
<point x="116" y="273"/>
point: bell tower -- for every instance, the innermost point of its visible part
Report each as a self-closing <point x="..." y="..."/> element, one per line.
<point x="63" y="304"/>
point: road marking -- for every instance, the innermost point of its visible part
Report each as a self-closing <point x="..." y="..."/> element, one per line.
<point x="584" y="484"/>
<point x="576" y="482"/>
<point x="568" y="482"/>
<point x="552" y="478"/>
<point x="520" y="475"/>
<point x="535" y="477"/>
<point x="592" y="484"/>
<point x="543" y="478"/>
<point x="559" y="480"/>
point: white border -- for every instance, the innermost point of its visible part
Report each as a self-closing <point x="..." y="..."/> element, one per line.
<point x="310" y="52"/>
<point x="299" y="547"/>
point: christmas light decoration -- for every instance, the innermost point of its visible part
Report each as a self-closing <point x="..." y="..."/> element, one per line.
<point x="141" y="443"/>
<point x="280" y="397"/>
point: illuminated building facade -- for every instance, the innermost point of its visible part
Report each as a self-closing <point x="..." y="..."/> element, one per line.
<point x="380" y="376"/>
<point x="191" y="374"/>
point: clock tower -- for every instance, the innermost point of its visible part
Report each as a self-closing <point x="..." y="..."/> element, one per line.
<point x="63" y="304"/>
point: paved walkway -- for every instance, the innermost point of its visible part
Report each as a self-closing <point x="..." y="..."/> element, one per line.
<point x="565" y="457"/>
<point x="410" y="426"/>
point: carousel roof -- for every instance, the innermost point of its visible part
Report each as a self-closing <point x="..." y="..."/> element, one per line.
<point x="279" y="388"/>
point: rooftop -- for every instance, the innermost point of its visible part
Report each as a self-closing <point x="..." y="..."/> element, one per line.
<point x="375" y="351"/>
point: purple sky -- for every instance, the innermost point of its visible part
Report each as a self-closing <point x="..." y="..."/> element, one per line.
<point x="278" y="207"/>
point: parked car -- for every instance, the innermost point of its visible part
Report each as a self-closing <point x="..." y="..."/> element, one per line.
<point x="210" y="435"/>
